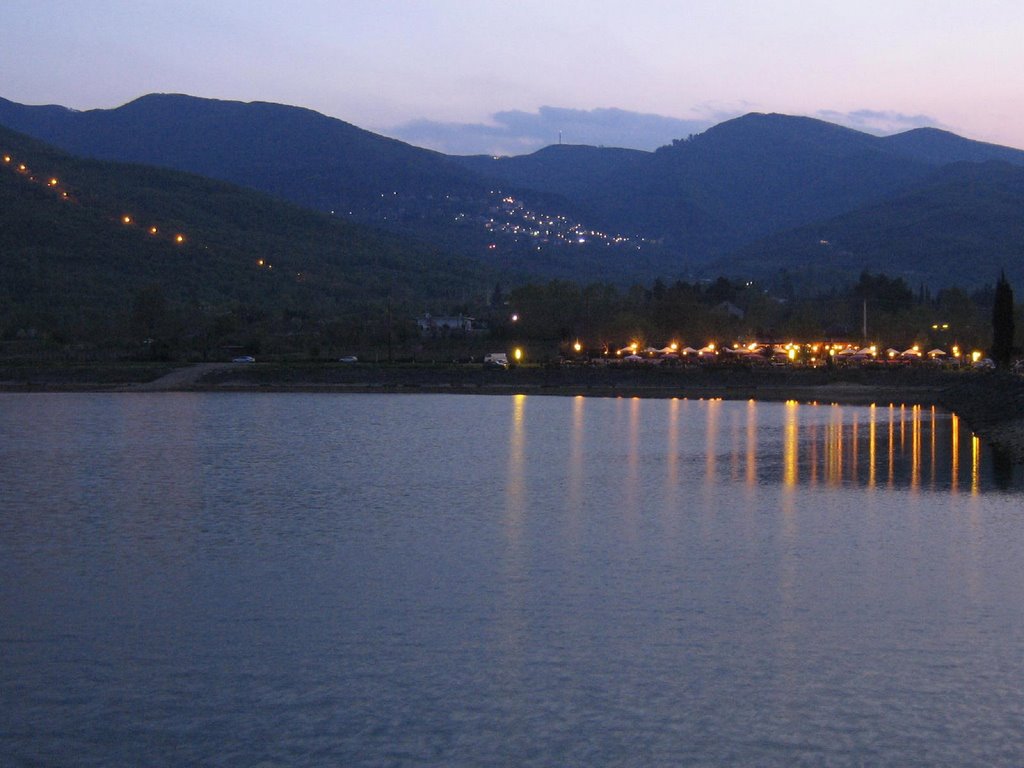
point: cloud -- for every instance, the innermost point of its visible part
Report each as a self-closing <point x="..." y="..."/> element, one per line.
<point x="879" y="122"/>
<point x="516" y="132"/>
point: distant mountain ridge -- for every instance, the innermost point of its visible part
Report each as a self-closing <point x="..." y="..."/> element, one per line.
<point x="742" y="179"/>
<point x="288" y="151"/>
<point x="962" y="226"/>
<point x="672" y="212"/>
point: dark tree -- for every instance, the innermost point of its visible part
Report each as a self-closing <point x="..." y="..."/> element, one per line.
<point x="890" y="295"/>
<point x="1002" y="323"/>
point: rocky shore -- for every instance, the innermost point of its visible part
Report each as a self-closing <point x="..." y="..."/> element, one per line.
<point x="992" y="404"/>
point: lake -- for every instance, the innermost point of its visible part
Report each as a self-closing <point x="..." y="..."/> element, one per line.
<point x="368" y="580"/>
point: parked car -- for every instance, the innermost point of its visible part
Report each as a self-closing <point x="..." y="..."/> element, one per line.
<point x="244" y="359"/>
<point x="348" y="359"/>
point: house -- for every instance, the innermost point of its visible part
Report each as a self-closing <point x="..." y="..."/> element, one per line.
<point x="446" y="325"/>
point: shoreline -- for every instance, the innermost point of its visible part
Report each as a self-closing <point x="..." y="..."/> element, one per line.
<point x="992" y="404"/>
<point x="850" y="387"/>
<point x="825" y="394"/>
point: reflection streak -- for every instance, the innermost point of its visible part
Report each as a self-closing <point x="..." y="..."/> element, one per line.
<point x="791" y="442"/>
<point x="515" y="482"/>
<point x="915" y="450"/>
<point x="847" y="446"/>
<point x="672" y="474"/>
<point x="713" y="407"/>
<point x="751" y="458"/>
<point x="975" y="465"/>
<point x="955" y="469"/>
<point x="576" y="461"/>
<point x="872" y="446"/>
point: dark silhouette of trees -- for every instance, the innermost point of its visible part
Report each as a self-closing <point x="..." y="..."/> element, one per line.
<point x="885" y="293"/>
<point x="1002" y="323"/>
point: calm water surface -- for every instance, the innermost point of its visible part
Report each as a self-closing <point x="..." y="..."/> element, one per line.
<point x="442" y="580"/>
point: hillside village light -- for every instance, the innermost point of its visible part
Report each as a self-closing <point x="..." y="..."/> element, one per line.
<point x="126" y="219"/>
<point x="577" y="346"/>
<point x="179" y="239"/>
<point x="975" y="356"/>
<point x="7" y="158"/>
<point x="517" y="354"/>
<point x="515" y="317"/>
<point x="153" y="230"/>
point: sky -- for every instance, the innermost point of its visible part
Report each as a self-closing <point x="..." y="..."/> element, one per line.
<point x="471" y="76"/>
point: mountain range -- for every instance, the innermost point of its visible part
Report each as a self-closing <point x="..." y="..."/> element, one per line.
<point x="751" y="197"/>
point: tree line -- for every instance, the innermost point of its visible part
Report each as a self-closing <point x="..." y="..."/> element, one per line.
<point x="725" y="310"/>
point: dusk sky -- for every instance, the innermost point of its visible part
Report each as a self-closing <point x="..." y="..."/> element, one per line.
<point x="479" y="76"/>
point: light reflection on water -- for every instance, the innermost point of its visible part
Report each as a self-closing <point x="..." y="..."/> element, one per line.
<point x="443" y="580"/>
<point x="896" y="446"/>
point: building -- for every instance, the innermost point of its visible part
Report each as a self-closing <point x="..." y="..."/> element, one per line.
<point x="447" y="325"/>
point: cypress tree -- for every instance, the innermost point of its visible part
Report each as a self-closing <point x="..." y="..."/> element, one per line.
<point x="1002" y="323"/>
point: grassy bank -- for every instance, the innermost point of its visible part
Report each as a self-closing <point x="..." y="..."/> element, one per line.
<point x="78" y="377"/>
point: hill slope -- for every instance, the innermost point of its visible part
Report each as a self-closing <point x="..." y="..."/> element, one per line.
<point x="328" y="165"/>
<point x="961" y="226"/>
<point x="69" y="260"/>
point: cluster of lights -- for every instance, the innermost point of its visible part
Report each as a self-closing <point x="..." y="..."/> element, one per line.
<point x="153" y="230"/>
<point x="791" y="352"/>
<point x="54" y="184"/>
<point x="126" y="219"/>
<point x="51" y="183"/>
<point x="511" y="217"/>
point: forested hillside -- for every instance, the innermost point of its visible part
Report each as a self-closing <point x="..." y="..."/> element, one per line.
<point x="83" y="241"/>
